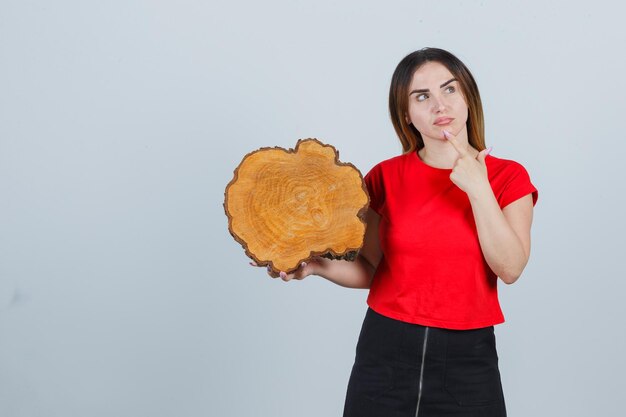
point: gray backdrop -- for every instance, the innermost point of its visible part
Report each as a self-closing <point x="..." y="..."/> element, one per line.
<point x="121" y="122"/>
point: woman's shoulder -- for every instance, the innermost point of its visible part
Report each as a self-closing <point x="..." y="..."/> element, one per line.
<point x="393" y="161"/>
<point x="509" y="179"/>
<point x="505" y="173"/>
<point x="502" y="164"/>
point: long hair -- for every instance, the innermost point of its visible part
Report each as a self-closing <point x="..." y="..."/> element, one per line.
<point x="410" y="137"/>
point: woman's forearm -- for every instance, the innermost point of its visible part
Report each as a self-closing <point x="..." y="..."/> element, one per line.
<point x="349" y="274"/>
<point x="501" y="247"/>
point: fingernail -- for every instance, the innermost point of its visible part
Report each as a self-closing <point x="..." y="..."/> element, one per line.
<point x="489" y="150"/>
<point x="269" y="268"/>
<point x="446" y="133"/>
<point x="283" y="275"/>
<point x="253" y="263"/>
<point x="303" y="264"/>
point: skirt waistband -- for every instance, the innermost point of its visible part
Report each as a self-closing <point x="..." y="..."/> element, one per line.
<point x="390" y="338"/>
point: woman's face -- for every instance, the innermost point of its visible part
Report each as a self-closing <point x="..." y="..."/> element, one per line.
<point x="443" y="99"/>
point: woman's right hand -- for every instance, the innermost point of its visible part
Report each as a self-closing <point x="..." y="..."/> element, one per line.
<point x="350" y="274"/>
<point x="304" y="270"/>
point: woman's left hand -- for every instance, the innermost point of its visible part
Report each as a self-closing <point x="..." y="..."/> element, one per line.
<point x="468" y="173"/>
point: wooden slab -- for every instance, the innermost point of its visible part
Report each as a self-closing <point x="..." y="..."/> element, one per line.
<point x="286" y="205"/>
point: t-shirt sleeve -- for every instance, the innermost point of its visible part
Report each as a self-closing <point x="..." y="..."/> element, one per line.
<point x="375" y="188"/>
<point x="517" y="187"/>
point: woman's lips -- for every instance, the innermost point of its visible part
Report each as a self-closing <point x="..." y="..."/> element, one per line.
<point x="443" y="121"/>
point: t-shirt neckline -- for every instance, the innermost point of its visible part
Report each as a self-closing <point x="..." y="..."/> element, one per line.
<point x="419" y="160"/>
<point x="435" y="169"/>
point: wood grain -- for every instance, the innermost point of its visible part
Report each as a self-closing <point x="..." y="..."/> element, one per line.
<point x="286" y="205"/>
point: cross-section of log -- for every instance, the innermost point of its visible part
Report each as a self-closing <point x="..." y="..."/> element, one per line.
<point x="285" y="206"/>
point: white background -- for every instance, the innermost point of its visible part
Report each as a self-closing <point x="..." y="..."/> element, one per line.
<point x="121" y="122"/>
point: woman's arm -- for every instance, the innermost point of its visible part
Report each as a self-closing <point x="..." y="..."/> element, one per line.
<point x="504" y="234"/>
<point x="350" y="274"/>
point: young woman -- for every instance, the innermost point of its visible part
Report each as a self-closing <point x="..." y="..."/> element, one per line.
<point x="446" y="219"/>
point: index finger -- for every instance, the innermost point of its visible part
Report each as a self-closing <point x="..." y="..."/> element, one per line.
<point x="452" y="139"/>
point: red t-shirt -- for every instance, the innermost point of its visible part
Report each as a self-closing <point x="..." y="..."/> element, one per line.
<point x="433" y="271"/>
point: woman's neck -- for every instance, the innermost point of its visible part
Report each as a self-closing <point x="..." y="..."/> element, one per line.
<point x="439" y="154"/>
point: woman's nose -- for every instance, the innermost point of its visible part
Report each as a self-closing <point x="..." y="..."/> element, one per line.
<point x="439" y="104"/>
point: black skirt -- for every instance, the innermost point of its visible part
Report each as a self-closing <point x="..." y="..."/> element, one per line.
<point x="406" y="370"/>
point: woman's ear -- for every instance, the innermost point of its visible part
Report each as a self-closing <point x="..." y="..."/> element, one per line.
<point x="406" y="117"/>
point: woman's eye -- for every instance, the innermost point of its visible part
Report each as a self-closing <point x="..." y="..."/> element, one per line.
<point x="419" y="97"/>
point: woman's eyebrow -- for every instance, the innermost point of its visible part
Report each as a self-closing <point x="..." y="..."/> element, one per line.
<point x="426" y="90"/>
